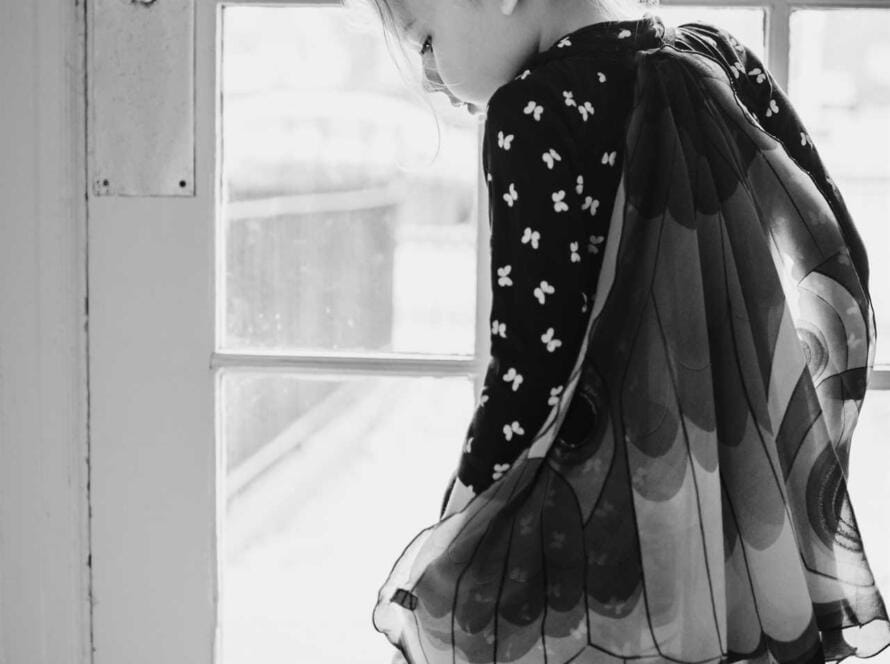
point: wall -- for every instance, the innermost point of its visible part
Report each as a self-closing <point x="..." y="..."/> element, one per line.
<point x="44" y="531"/>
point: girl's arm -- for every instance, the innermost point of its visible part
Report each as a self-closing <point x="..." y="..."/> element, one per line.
<point x="549" y="220"/>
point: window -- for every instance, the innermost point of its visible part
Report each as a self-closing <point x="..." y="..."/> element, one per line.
<point x="349" y="280"/>
<point x="338" y="371"/>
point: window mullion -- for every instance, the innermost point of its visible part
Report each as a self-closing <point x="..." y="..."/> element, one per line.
<point x="778" y="41"/>
<point x="483" y="278"/>
<point x="880" y="378"/>
<point x="357" y="364"/>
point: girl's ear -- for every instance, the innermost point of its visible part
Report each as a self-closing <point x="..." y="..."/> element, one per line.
<point x="508" y="6"/>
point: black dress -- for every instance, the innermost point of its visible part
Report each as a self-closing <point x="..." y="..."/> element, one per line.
<point x="681" y="340"/>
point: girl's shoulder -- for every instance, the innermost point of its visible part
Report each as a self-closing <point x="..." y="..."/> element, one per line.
<point x="577" y="93"/>
<point x="708" y="38"/>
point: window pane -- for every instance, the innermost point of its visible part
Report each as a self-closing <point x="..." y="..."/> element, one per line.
<point x="327" y="481"/>
<point x="744" y="23"/>
<point x="840" y="84"/>
<point x="869" y="486"/>
<point x="339" y="229"/>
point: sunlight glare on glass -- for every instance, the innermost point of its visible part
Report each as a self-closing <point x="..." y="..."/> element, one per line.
<point x="839" y="83"/>
<point x="342" y="227"/>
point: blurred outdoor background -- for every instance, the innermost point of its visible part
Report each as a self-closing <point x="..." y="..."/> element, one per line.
<point x="341" y="230"/>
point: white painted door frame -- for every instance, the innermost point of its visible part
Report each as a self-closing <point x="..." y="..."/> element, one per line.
<point x="44" y="528"/>
<point x="154" y="466"/>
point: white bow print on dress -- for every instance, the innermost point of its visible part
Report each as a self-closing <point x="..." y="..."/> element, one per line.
<point x="547" y="338"/>
<point x="518" y="575"/>
<point x="512" y="195"/>
<point x="609" y="158"/>
<point x="569" y="97"/>
<point x="503" y="279"/>
<point x="758" y="73"/>
<point x="554" y="395"/>
<point x="510" y="429"/>
<point x="585" y="109"/>
<point x="534" y="109"/>
<point x="513" y="376"/>
<point x="574" y="257"/>
<point x="590" y="204"/>
<point x="499" y="329"/>
<point x="525" y="524"/>
<point x="530" y="236"/>
<point x="579" y="188"/>
<point x="558" y="203"/>
<point x="543" y="290"/>
<point x="499" y="470"/>
<point x="504" y="141"/>
<point x="594" y="242"/>
<point x="549" y="157"/>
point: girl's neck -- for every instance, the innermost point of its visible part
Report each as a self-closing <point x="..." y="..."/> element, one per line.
<point x="575" y="14"/>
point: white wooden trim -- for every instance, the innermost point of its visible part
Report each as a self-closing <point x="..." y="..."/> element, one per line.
<point x="335" y="201"/>
<point x="778" y="42"/>
<point x="155" y="467"/>
<point x="44" y="528"/>
<point x="880" y="378"/>
<point x="358" y="365"/>
<point x="483" y="273"/>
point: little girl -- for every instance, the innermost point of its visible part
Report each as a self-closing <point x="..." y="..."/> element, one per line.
<point x="681" y="341"/>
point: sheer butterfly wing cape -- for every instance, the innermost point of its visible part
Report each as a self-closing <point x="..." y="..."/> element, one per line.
<point x="687" y="500"/>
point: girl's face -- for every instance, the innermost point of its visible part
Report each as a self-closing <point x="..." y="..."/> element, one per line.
<point x="470" y="47"/>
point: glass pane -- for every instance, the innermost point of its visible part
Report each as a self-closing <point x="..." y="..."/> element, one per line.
<point x="327" y="480"/>
<point x="744" y="23"/>
<point x="840" y="85"/>
<point x="341" y="229"/>
<point x="869" y="486"/>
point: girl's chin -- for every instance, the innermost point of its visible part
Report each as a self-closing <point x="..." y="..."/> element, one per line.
<point x="459" y="103"/>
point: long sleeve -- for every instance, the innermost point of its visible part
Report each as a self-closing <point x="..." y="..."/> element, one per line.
<point x="548" y="212"/>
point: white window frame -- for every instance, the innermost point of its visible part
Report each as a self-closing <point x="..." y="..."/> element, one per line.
<point x="777" y="14"/>
<point x="370" y="363"/>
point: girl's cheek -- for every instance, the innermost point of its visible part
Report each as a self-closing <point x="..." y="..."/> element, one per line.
<point x="453" y="73"/>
